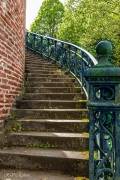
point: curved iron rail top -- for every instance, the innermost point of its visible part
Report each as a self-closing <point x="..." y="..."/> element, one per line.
<point x="69" y="56"/>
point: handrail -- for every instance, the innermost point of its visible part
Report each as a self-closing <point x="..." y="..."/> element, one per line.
<point x="69" y="56"/>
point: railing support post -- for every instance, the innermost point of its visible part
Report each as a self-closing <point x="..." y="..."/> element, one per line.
<point x="104" y="115"/>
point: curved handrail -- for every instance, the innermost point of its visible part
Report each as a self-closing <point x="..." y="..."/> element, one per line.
<point x="69" y="56"/>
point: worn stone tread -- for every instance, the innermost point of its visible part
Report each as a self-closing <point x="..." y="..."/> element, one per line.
<point x="69" y="101"/>
<point x="46" y="153"/>
<point x="54" y="96"/>
<point x="53" y="120"/>
<point x="49" y="78"/>
<point x="48" y="84"/>
<point x="52" y="125"/>
<point x="51" y="113"/>
<point x="52" y="93"/>
<point x="54" y="90"/>
<point x="59" y="87"/>
<point x="51" y="134"/>
<point x="66" y="104"/>
<point x="17" y="174"/>
<point x="47" y="75"/>
<point x="53" y="110"/>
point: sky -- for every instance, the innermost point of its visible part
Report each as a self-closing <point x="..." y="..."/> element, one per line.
<point x="32" y="7"/>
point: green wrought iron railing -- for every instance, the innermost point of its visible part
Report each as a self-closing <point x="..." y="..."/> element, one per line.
<point x="69" y="56"/>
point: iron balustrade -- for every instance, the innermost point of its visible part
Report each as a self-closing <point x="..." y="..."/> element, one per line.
<point x="69" y="56"/>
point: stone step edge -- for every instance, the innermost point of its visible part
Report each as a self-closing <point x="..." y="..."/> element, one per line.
<point x="37" y="87"/>
<point x="50" y="110"/>
<point x="51" y="78"/>
<point x="50" y="134"/>
<point x="52" y="93"/>
<point x="61" y="76"/>
<point x="68" y="101"/>
<point x="53" y="120"/>
<point x="43" y="82"/>
<point x="77" y="155"/>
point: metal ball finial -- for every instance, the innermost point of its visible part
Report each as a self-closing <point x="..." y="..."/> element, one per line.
<point x="104" y="48"/>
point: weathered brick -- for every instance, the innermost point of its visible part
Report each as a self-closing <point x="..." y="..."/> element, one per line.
<point x="12" y="51"/>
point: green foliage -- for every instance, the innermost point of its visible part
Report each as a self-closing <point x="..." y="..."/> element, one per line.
<point x="86" y="22"/>
<point x="48" y="18"/>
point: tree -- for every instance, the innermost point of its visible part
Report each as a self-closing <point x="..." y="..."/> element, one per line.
<point x="91" y="21"/>
<point x="48" y="18"/>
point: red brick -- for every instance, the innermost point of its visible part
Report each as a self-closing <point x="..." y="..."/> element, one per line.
<point x="12" y="36"/>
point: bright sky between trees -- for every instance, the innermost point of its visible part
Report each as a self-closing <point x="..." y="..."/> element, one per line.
<point x="32" y="7"/>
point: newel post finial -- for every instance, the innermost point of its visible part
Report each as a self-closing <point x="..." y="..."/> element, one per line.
<point x="104" y="52"/>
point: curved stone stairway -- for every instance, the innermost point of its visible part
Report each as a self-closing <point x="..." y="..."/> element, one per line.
<point x="51" y="126"/>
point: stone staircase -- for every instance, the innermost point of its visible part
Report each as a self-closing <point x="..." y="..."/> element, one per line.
<point x="50" y="131"/>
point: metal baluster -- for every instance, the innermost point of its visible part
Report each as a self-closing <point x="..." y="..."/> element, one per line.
<point x="34" y="41"/>
<point x="69" y="56"/>
<point x="41" y="45"/>
<point x="48" y="43"/>
<point x="55" y="52"/>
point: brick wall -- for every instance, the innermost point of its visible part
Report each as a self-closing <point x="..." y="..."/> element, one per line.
<point x="12" y="31"/>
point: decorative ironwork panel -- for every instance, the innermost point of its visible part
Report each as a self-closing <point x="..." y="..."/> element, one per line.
<point x="104" y="110"/>
<point x="104" y="145"/>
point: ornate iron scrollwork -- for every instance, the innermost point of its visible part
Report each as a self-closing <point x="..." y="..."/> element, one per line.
<point x="104" y="152"/>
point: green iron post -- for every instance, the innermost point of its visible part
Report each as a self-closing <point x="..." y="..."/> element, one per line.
<point x="104" y="115"/>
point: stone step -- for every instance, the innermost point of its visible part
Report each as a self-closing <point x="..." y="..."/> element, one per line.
<point x="46" y="75"/>
<point x="53" y="96"/>
<point x="30" y="53"/>
<point x="38" y="65"/>
<point x="51" y="113"/>
<point x="50" y="84"/>
<point x="36" y="60"/>
<point x="49" y="140"/>
<point x="43" y="104"/>
<point x="33" y="58"/>
<point x="27" y="174"/>
<point x="40" y="62"/>
<point x="67" y="162"/>
<point x="52" y="125"/>
<point x="50" y="79"/>
<point x="41" y="66"/>
<point x="58" y="71"/>
<point x="45" y="69"/>
<point x="54" y="90"/>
